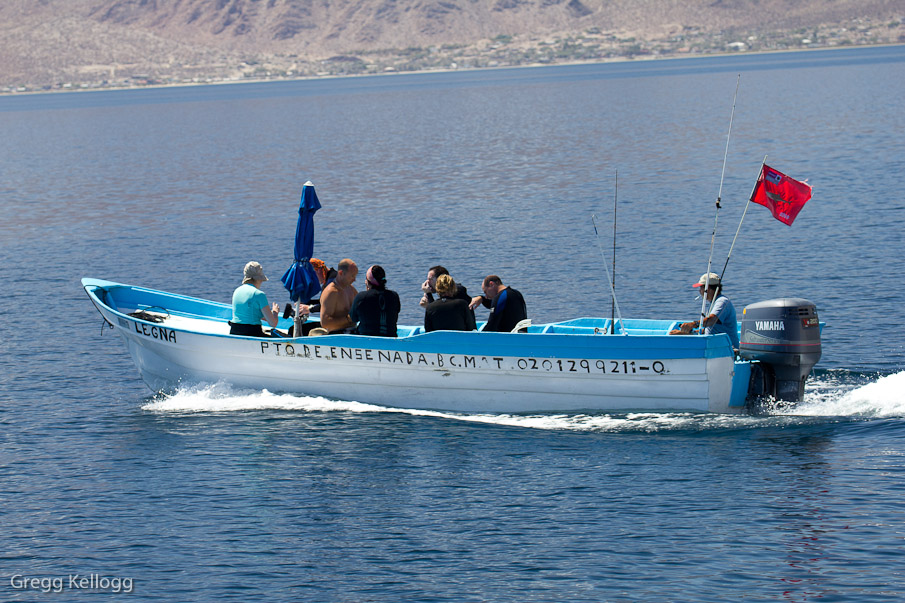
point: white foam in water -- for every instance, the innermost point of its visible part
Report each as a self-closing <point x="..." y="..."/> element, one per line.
<point x="883" y="398"/>
<point x="223" y="398"/>
<point x="634" y="422"/>
<point x="880" y="399"/>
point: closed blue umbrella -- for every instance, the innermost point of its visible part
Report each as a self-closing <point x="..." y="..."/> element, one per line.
<point x="300" y="279"/>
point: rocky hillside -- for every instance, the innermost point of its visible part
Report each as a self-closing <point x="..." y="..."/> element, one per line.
<point x="87" y="43"/>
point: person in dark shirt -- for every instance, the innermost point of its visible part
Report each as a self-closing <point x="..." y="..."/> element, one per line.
<point x="507" y="306"/>
<point x="377" y="308"/>
<point x="429" y="287"/>
<point x="449" y="313"/>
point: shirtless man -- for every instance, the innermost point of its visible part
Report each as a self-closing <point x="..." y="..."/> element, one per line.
<point x="336" y="300"/>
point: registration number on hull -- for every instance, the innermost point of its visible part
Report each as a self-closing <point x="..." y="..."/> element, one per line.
<point x="443" y="361"/>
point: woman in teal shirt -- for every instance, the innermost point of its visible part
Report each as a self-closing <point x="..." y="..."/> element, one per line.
<point x="250" y="304"/>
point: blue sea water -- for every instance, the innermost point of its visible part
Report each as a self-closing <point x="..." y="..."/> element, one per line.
<point x="222" y="494"/>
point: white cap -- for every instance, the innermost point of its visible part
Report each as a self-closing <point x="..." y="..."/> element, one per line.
<point x="711" y="279"/>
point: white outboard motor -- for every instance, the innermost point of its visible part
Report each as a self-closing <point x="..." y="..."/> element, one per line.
<point x="784" y="335"/>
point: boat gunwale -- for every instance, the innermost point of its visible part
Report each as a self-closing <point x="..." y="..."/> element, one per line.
<point x="690" y="346"/>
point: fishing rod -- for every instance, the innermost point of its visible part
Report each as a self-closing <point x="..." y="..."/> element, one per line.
<point x="613" y="306"/>
<point x="751" y="196"/>
<point x="716" y="217"/>
<point x="608" y="278"/>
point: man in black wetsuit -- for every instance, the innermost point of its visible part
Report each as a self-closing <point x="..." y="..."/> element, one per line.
<point x="507" y="306"/>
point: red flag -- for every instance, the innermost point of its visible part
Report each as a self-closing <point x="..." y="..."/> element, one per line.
<point x="783" y="195"/>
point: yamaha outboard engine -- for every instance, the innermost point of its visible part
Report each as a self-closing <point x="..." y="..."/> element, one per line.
<point x="783" y="334"/>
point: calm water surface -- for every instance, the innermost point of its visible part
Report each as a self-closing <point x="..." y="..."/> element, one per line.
<point x="216" y="493"/>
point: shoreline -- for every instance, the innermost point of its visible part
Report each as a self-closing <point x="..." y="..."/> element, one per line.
<point x="264" y="80"/>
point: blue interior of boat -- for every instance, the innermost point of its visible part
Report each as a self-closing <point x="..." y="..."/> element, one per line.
<point x="132" y="298"/>
<point x="649" y="336"/>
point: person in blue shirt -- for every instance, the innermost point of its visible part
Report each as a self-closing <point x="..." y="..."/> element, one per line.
<point x="722" y="318"/>
<point x="250" y="304"/>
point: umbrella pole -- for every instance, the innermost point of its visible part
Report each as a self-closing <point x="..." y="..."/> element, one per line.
<point x="299" y="321"/>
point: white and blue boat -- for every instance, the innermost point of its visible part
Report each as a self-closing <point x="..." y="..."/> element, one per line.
<point x="575" y="365"/>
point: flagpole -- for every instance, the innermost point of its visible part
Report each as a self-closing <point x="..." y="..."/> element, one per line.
<point x="717" y="214"/>
<point x="756" y="180"/>
<point x="608" y="280"/>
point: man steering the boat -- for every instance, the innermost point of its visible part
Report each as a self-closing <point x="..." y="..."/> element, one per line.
<point x="722" y="318"/>
<point x="336" y="300"/>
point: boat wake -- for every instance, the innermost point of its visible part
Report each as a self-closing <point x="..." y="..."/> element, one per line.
<point x="833" y="396"/>
<point x="221" y="397"/>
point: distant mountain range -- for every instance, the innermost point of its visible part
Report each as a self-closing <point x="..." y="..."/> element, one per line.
<point x="48" y="44"/>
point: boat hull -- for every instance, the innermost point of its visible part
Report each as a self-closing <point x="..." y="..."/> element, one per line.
<point x="452" y="371"/>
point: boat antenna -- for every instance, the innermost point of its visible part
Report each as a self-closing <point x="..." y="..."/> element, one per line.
<point x="716" y="216"/>
<point x="613" y="306"/>
<point x="609" y="281"/>
<point x="751" y="196"/>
